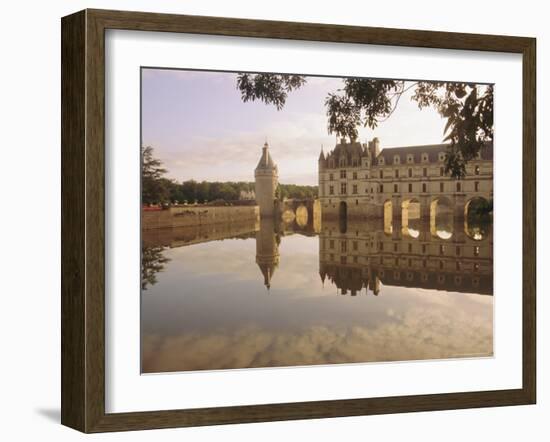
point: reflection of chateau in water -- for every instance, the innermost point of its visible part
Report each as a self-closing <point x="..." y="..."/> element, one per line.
<point x="360" y="257"/>
<point x="363" y="258"/>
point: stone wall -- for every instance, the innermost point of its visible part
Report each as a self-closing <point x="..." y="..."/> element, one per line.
<point x="184" y="216"/>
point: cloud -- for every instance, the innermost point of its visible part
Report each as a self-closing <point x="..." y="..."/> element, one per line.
<point x="416" y="335"/>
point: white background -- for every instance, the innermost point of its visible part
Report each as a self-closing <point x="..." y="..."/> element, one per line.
<point x="128" y="391"/>
<point x="30" y="123"/>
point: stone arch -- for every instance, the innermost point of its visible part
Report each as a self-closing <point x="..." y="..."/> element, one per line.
<point x="410" y="218"/>
<point x="441" y="218"/>
<point x="477" y="218"/>
<point x="301" y="215"/>
<point x="388" y="217"/>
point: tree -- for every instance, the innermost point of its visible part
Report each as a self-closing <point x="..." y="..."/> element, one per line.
<point x="152" y="262"/>
<point x="270" y="88"/>
<point x="467" y="107"/>
<point x="154" y="188"/>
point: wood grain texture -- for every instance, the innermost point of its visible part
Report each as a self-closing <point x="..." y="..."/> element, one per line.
<point x="83" y="220"/>
<point x="73" y="128"/>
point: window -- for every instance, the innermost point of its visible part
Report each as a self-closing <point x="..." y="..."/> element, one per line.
<point x="424" y="157"/>
<point x="410" y="248"/>
<point x="395" y="190"/>
<point x="476" y="267"/>
<point x="410" y="158"/>
<point x="476" y="250"/>
<point x="441" y="265"/>
<point x="354" y="175"/>
<point x="441" y="171"/>
<point x="367" y="176"/>
<point x="381" y="161"/>
<point x="342" y="174"/>
<point x="331" y="177"/>
<point x="342" y="162"/>
<point x="476" y="170"/>
<point x="354" y="162"/>
<point x="410" y="187"/>
<point x="410" y="173"/>
<point x="441" y="249"/>
<point x="423" y="248"/>
<point x="355" y="188"/>
<point x="396" y="173"/>
<point x="381" y="188"/>
<point x="331" y="244"/>
<point x="381" y="246"/>
<point x="476" y="186"/>
<point x="459" y="187"/>
<point x="441" y="156"/>
<point x="343" y="246"/>
<point x="355" y="245"/>
<point x="356" y="202"/>
<point x="425" y="171"/>
<point x="424" y="187"/>
<point x="395" y="247"/>
<point x="424" y="263"/>
<point x="331" y="190"/>
<point x="343" y="188"/>
<point x="396" y="159"/>
<point x="381" y="174"/>
<point x="457" y="251"/>
<point x="441" y="187"/>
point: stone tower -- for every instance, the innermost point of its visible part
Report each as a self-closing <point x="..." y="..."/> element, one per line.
<point x="266" y="176"/>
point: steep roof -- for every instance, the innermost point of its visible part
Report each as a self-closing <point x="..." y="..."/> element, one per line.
<point x="432" y="150"/>
<point x="353" y="148"/>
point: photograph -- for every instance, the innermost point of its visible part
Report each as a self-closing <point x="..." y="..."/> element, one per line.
<point x="297" y="220"/>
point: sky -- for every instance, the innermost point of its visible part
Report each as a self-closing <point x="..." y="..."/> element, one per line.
<point x="200" y="129"/>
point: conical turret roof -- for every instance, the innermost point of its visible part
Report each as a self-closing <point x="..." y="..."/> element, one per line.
<point x="266" y="162"/>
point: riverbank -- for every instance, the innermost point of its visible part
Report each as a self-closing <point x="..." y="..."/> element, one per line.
<point x="203" y="215"/>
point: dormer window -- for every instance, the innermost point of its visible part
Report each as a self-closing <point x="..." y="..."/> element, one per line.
<point x="342" y="162"/>
<point x="424" y="157"/>
<point x="441" y="156"/>
<point x="396" y="159"/>
<point x="410" y="158"/>
<point x="381" y="161"/>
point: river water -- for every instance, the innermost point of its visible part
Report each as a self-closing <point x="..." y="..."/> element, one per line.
<point x="266" y="295"/>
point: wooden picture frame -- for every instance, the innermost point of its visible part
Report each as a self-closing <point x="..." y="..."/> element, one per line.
<point x="83" y="220"/>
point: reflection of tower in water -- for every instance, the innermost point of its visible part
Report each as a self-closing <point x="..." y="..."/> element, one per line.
<point x="267" y="249"/>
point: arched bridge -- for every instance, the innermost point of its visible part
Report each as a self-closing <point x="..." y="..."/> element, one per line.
<point x="304" y="214"/>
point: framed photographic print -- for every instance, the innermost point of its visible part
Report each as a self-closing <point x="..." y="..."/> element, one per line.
<point x="269" y="221"/>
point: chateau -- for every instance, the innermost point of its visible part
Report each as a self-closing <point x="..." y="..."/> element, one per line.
<point x="363" y="180"/>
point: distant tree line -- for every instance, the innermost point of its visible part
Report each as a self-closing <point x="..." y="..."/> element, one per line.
<point x="157" y="189"/>
<point x="295" y="191"/>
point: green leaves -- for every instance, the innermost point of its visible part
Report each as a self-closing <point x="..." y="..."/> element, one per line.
<point x="153" y="186"/>
<point x="344" y="116"/>
<point x="269" y="88"/>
